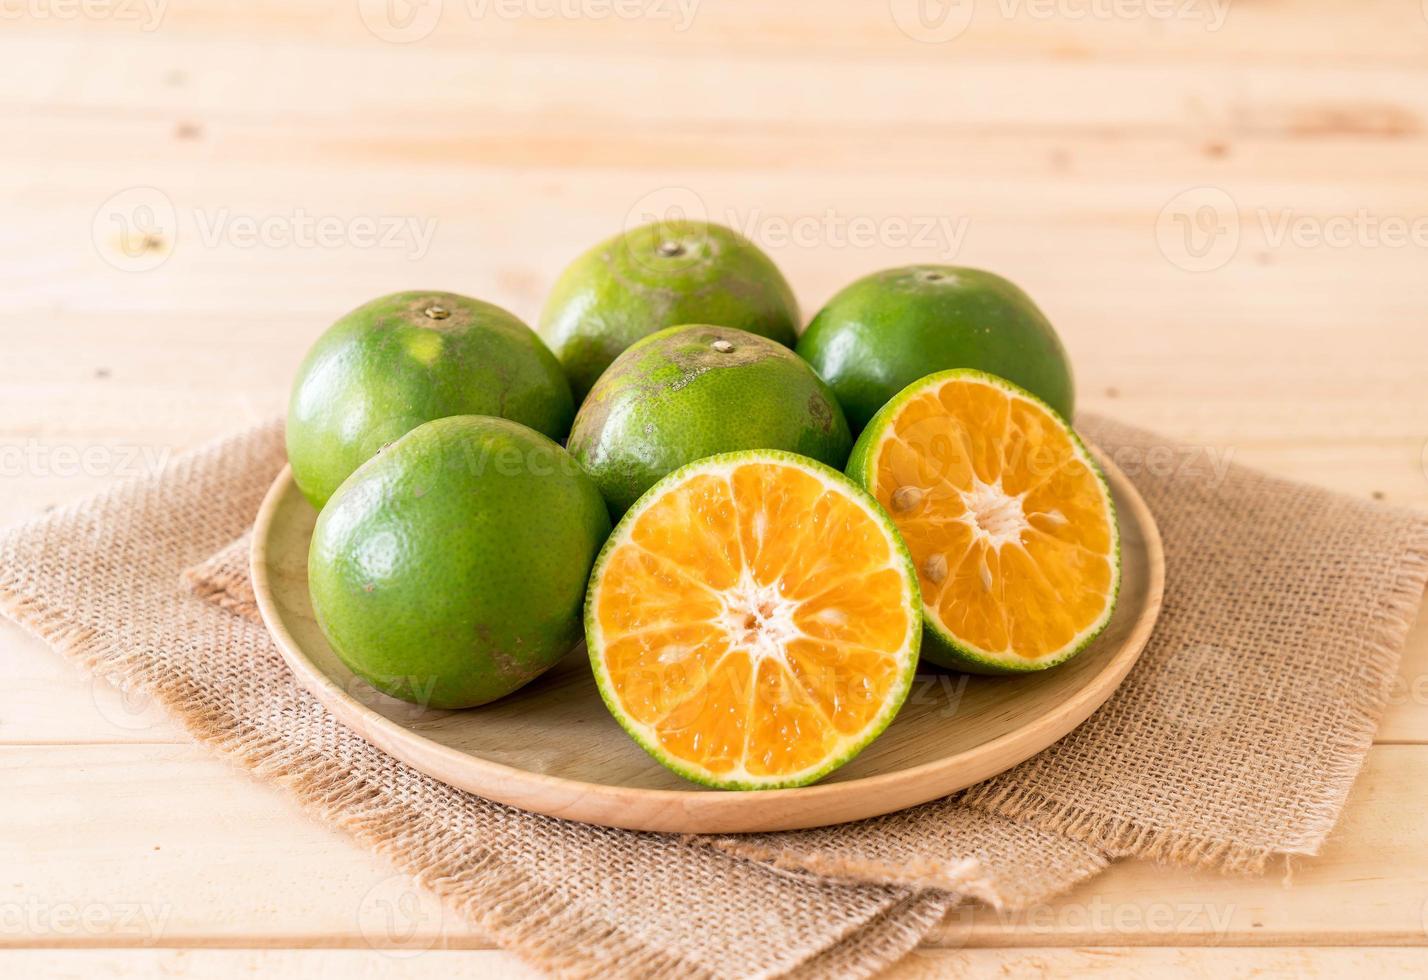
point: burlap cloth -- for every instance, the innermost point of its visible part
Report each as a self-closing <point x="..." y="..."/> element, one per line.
<point x="1235" y="739"/>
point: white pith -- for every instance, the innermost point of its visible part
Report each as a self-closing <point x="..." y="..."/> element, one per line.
<point x="994" y="515"/>
<point x="759" y="621"/>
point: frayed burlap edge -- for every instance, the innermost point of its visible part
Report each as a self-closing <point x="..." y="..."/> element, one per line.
<point x="965" y="877"/>
<point x="1118" y="837"/>
<point x="525" y="919"/>
<point x="897" y="931"/>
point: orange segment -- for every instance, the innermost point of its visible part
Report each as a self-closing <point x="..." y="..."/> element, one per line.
<point x="853" y="611"/>
<point x="656" y="671"/>
<point x="711" y="725"/>
<point x="967" y="605"/>
<point x="648" y="590"/>
<point x="754" y="620"/>
<point x="1009" y="522"/>
<point x="773" y="506"/>
<point x="706" y="504"/>
<point x="787" y="731"/>
<point x="849" y="684"/>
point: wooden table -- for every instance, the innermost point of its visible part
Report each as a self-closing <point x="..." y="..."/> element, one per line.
<point x="1223" y="209"/>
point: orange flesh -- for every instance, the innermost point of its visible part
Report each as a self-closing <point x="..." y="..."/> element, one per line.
<point x="754" y="620"/>
<point x="1008" y="526"/>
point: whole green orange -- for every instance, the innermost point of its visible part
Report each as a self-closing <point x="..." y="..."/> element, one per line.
<point x="887" y="330"/>
<point x="405" y="359"/>
<point x="695" y="390"/>
<point x="657" y="276"/>
<point x="450" y="569"/>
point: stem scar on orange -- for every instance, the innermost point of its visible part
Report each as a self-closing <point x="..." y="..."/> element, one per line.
<point x="1007" y="516"/>
<point x="754" y="620"/>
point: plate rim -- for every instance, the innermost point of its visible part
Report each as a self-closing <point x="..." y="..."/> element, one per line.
<point x="700" y="810"/>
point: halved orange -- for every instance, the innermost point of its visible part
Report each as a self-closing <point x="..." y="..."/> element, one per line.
<point x="1008" y="518"/>
<point x="754" y="620"/>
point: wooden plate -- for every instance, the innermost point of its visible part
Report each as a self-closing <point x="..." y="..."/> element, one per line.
<point x="553" y="748"/>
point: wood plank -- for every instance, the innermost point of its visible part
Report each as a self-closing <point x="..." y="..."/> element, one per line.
<point x="119" y="831"/>
<point x="1274" y="309"/>
<point x="281" y="964"/>
<point x="48" y="700"/>
<point x="150" y="845"/>
<point x="1199" y="31"/>
<point x="667" y="83"/>
<point x="1134" y="963"/>
<point x="1113" y="963"/>
<point x="61" y="143"/>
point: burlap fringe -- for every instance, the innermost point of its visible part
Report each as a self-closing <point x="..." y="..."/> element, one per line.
<point x="530" y="921"/>
<point x="964" y="878"/>
<point x="902" y="928"/>
<point x="1121" y="838"/>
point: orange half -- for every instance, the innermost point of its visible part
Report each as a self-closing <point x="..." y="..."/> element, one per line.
<point x="1007" y="516"/>
<point x="754" y="620"/>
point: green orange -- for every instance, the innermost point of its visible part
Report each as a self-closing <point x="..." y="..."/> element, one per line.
<point x="884" y="331"/>
<point x="405" y="359"/>
<point x="450" y="569"/>
<point x="657" y="276"/>
<point x="695" y="390"/>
